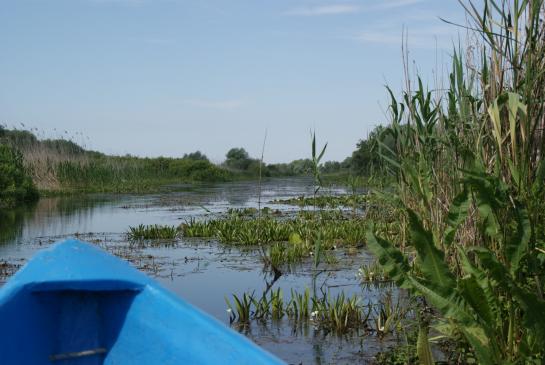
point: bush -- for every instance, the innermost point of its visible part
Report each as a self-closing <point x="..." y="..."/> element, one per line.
<point x="15" y="185"/>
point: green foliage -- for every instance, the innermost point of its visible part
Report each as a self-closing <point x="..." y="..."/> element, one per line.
<point x="338" y="314"/>
<point x="16" y="186"/>
<point x="316" y="158"/>
<point x="373" y="272"/>
<point x="238" y="158"/>
<point x="243" y="230"/>
<point x="107" y="173"/>
<point x="468" y="169"/>
<point x="151" y="232"/>
<point x="294" y="168"/>
<point x="488" y="294"/>
<point x="365" y="160"/>
<point x="196" y="156"/>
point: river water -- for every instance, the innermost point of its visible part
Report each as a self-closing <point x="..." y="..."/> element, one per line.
<point x="203" y="272"/>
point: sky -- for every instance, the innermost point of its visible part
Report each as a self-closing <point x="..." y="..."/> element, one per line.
<point x="168" y="77"/>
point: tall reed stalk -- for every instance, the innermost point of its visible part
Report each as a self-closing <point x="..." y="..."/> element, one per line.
<point x="470" y="176"/>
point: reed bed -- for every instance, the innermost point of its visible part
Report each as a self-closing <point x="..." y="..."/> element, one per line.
<point x="469" y="170"/>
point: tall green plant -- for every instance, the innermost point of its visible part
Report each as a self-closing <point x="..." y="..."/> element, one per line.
<point x="481" y="298"/>
<point x="469" y="173"/>
<point x="316" y="158"/>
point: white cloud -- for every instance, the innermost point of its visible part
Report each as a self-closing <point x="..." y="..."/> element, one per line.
<point x="215" y="104"/>
<point x="325" y="10"/>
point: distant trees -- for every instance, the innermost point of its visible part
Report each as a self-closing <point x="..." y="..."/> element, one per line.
<point x="366" y="158"/>
<point x="238" y="158"/>
<point x="196" y="156"/>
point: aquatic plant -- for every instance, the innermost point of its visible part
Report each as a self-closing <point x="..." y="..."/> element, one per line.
<point x="250" y="231"/>
<point x="150" y="232"/>
<point x="372" y="272"/>
<point x="388" y="315"/>
<point x="298" y="307"/>
<point x="339" y="314"/>
<point x="241" y="311"/>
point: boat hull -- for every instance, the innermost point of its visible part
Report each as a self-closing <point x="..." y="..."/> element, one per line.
<point x="76" y="304"/>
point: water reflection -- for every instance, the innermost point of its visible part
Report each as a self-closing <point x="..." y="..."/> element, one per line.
<point x="11" y="223"/>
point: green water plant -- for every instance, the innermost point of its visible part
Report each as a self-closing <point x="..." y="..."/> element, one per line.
<point x="372" y="272"/>
<point x="151" y="232"/>
<point x="239" y="230"/>
<point x="337" y="314"/>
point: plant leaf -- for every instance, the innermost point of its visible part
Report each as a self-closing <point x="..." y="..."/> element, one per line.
<point x="391" y="259"/>
<point x="431" y="258"/>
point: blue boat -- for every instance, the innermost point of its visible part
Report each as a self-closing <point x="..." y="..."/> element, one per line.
<point x="76" y="304"/>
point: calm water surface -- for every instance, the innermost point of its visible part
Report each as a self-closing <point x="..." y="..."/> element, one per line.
<point x="203" y="272"/>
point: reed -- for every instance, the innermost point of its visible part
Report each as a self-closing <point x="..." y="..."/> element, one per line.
<point x="469" y="171"/>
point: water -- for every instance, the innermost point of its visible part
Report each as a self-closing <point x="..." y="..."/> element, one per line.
<point x="203" y="272"/>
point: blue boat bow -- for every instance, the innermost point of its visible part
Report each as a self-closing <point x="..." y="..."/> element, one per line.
<point x="76" y="304"/>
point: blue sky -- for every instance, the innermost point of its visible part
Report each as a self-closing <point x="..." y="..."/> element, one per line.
<point x="166" y="77"/>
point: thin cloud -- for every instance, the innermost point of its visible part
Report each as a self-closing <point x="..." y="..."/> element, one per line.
<point x="426" y="37"/>
<point x="339" y="9"/>
<point x="325" y="10"/>
<point x="215" y="104"/>
<point x="397" y="4"/>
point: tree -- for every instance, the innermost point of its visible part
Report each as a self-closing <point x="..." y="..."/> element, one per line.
<point x="196" y="156"/>
<point x="238" y="158"/>
<point x="366" y="158"/>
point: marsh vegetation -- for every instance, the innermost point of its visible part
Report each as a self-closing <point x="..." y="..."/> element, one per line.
<point x="452" y="208"/>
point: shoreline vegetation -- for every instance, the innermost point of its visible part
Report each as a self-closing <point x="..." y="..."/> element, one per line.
<point x="60" y="166"/>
